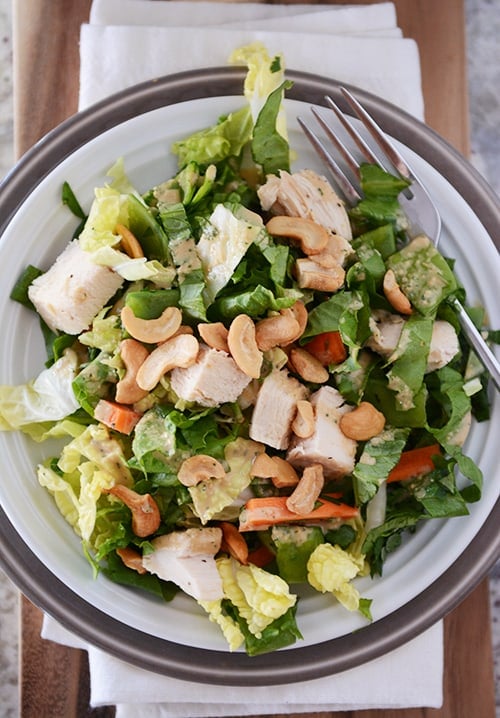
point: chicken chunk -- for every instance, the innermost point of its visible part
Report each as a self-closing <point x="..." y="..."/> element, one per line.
<point x="187" y="559"/>
<point x="444" y="345"/>
<point x="386" y="332"/>
<point x="306" y="194"/>
<point x="275" y="409"/>
<point x="73" y="290"/>
<point x="212" y="380"/>
<point x="327" y="446"/>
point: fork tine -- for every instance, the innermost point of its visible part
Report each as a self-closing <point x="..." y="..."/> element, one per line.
<point x="348" y="157"/>
<point x="387" y="147"/>
<point x="350" y="192"/>
<point x="365" y="149"/>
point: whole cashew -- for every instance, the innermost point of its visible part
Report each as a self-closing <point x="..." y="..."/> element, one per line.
<point x="243" y="346"/>
<point x="133" y="355"/>
<point x="132" y="559"/>
<point x="307" y="491"/>
<point x="307" y="366"/>
<point x="311" y="275"/>
<point x="179" y="351"/>
<point x="129" y="242"/>
<point x="146" y="517"/>
<point x="214" y="335"/>
<point x="394" y="295"/>
<point x="200" y="467"/>
<point x="311" y="236"/>
<point x="280" y="471"/>
<point x="304" y="422"/>
<point x="152" y="331"/>
<point x="277" y="331"/>
<point x="299" y="311"/>
<point x="362" y="423"/>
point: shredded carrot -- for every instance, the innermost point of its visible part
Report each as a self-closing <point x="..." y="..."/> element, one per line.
<point x="328" y="348"/>
<point x="117" y="416"/>
<point x="414" y="463"/>
<point x="261" y="556"/>
<point x="233" y="542"/>
<point x="260" y="513"/>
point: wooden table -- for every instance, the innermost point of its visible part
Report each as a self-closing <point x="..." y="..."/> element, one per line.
<point x="54" y="679"/>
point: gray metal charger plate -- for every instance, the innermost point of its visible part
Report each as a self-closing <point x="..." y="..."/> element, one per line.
<point x="45" y="590"/>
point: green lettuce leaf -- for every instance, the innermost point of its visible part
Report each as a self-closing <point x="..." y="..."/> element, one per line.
<point x="379" y="456"/>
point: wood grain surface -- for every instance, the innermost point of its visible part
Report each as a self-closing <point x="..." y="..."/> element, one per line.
<point x="54" y="679"/>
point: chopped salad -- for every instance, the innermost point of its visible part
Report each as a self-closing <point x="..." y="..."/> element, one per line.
<point x="257" y="388"/>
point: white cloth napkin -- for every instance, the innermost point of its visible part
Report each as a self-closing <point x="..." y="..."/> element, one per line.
<point x="360" y="45"/>
<point x="129" y="41"/>
<point x="408" y="677"/>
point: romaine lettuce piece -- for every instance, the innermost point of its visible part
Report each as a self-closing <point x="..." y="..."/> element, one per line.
<point x="265" y="75"/>
<point x="423" y="274"/>
<point x="331" y="569"/>
<point x="211" y="497"/>
<point x="105" y="333"/>
<point x="294" y="545"/>
<point x="215" y="144"/>
<point x="379" y="456"/>
<point x="259" y="596"/>
<point x="409" y="361"/>
<point x="223" y="244"/>
<point x="48" y="398"/>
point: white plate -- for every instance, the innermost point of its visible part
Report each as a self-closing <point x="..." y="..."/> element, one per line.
<point x="35" y="235"/>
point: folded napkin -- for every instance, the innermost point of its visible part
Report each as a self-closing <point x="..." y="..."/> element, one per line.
<point x="361" y="46"/>
<point x="129" y="41"/>
<point x="410" y="676"/>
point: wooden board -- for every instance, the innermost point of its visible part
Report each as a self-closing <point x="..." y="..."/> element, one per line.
<point x="54" y="679"/>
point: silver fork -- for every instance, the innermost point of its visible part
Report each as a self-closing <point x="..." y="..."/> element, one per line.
<point x="420" y="210"/>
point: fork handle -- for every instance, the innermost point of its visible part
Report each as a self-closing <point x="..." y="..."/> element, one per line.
<point x="477" y="342"/>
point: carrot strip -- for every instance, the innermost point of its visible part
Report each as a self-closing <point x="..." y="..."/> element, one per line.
<point x="414" y="463"/>
<point x="260" y="513"/>
<point x="117" y="416"/>
<point x="261" y="556"/>
<point x="233" y="542"/>
<point x="328" y="348"/>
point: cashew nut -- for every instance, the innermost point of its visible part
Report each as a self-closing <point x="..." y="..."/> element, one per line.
<point x="243" y="347"/>
<point x="299" y="311"/>
<point x="394" y="295"/>
<point x="263" y="466"/>
<point x="179" y="351"/>
<point x="133" y="355"/>
<point x="304" y="422"/>
<point x="311" y="275"/>
<point x="131" y="558"/>
<point x="183" y="329"/>
<point x="152" y="331"/>
<point x="307" y="366"/>
<point x="280" y="471"/>
<point x="307" y="491"/>
<point x="312" y="237"/>
<point x="214" y="335"/>
<point x="146" y="517"/>
<point x="200" y="467"/>
<point x="276" y="331"/>
<point x="362" y="423"/>
<point x="129" y="242"/>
